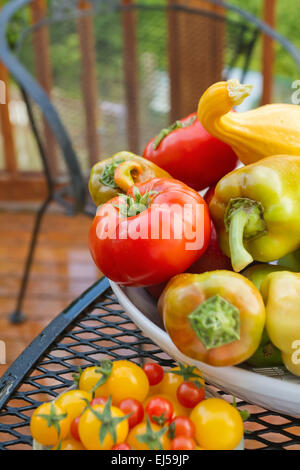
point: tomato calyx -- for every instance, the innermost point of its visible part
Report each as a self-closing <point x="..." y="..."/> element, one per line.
<point x="187" y="373"/>
<point x="136" y="204"/>
<point x="172" y="431"/>
<point x="53" y="418"/>
<point x="108" y="422"/>
<point x="107" y="176"/>
<point x="104" y="369"/>
<point x="160" y="420"/>
<point x="173" y="127"/>
<point x="152" y="438"/>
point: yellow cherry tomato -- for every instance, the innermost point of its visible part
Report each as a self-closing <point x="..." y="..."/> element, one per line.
<point x="219" y="425"/>
<point x="179" y="410"/>
<point x="89" y="379"/>
<point x="90" y="426"/>
<point x="171" y="381"/>
<point x="160" y="441"/>
<point x="73" y="402"/>
<point x="127" y="380"/>
<point x="69" y="444"/>
<point x="49" y="424"/>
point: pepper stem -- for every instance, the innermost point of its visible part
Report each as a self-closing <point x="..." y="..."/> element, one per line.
<point x="243" y="220"/>
<point x="240" y="257"/>
<point x="216" y="322"/>
<point x="123" y="174"/>
<point x="237" y="92"/>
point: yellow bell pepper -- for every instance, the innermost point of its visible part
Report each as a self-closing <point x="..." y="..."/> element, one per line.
<point x="256" y="211"/>
<point x="281" y="294"/>
<point x="273" y="129"/>
<point x="117" y="174"/>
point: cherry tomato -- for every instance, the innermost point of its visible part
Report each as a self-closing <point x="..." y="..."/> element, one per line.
<point x="183" y="443"/>
<point x="74" y="428"/>
<point x="172" y="380"/>
<point x="179" y="410"/>
<point x="154" y="372"/>
<point x="134" y="408"/>
<point x="99" y="401"/>
<point x="74" y="402"/>
<point x="69" y="444"/>
<point x="127" y="380"/>
<point x="189" y="395"/>
<point x="181" y="426"/>
<point x="93" y="419"/>
<point x="122" y="446"/>
<point x="218" y="424"/>
<point x="89" y="379"/>
<point x="49" y="424"/>
<point x="160" y="410"/>
<point x="157" y="437"/>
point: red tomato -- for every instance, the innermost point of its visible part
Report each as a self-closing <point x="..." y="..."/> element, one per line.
<point x="123" y="446"/>
<point x="192" y="155"/>
<point x="99" y="401"/>
<point x="154" y="372"/>
<point x="164" y="239"/>
<point x="133" y="407"/>
<point x="74" y="428"/>
<point x="183" y="443"/>
<point x="182" y="426"/>
<point x="189" y="395"/>
<point x="160" y="410"/>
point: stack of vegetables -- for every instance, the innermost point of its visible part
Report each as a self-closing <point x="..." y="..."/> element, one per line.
<point x="213" y="307"/>
<point x="120" y="406"/>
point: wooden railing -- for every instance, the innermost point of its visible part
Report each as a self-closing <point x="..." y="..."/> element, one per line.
<point x="185" y="84"/>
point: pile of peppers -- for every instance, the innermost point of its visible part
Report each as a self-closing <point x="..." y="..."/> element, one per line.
<point x="235" y="297"/>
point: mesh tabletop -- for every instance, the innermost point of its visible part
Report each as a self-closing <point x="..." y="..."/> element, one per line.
<point x="92" y="328"/>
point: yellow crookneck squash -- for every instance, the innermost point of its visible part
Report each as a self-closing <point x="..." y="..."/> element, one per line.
<point x="272" y="129"/>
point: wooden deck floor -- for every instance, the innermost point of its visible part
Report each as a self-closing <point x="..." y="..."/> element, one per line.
<point x="62" y="270"/>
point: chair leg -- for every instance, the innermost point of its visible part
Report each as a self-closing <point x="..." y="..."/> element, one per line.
<point x="17" y="316"/>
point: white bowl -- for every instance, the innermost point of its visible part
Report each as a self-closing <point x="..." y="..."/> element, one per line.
<point x="273" y="389"/>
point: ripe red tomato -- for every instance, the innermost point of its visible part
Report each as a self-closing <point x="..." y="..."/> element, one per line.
<point x="134" y="408"/>
<point x="74" y="428"/>
<point x="154" y="372"/>
<point x="182" y="426"/>
<point x="183" y="443"/>
<point x="170" y="231"/>
<point x="160" y="410"/>
<point x="123" y="446"/>
<point x="189" y="153"/>
<point x="189" y="395"/>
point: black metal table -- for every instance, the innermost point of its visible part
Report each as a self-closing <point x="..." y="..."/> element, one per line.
<point x="94" y="327"/>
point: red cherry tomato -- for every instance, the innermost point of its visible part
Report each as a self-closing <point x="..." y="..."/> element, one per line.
<point x="134" y="408"/>
<point x="123" y="446"/>
<point x="189" y="395"/>
<point x="160" y="410"/>
<point x="74" y="428"/>
<point x="183" y="443"/>
<point x="99" y="401"/>
<point x="182" y="426"/>
<point x="154" y="372"/>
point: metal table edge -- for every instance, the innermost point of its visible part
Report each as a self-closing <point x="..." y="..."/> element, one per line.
<point x="14" y="375"/>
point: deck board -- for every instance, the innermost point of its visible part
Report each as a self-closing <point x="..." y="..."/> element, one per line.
<point x="61" y="271"/>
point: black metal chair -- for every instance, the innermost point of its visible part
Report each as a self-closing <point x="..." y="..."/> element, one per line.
<point x="120" y="127"/>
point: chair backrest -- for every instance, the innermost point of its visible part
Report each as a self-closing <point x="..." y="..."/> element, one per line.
<point x="110" y="74"/>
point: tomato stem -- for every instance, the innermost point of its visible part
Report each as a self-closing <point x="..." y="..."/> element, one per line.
<point x="173" y="127"/>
